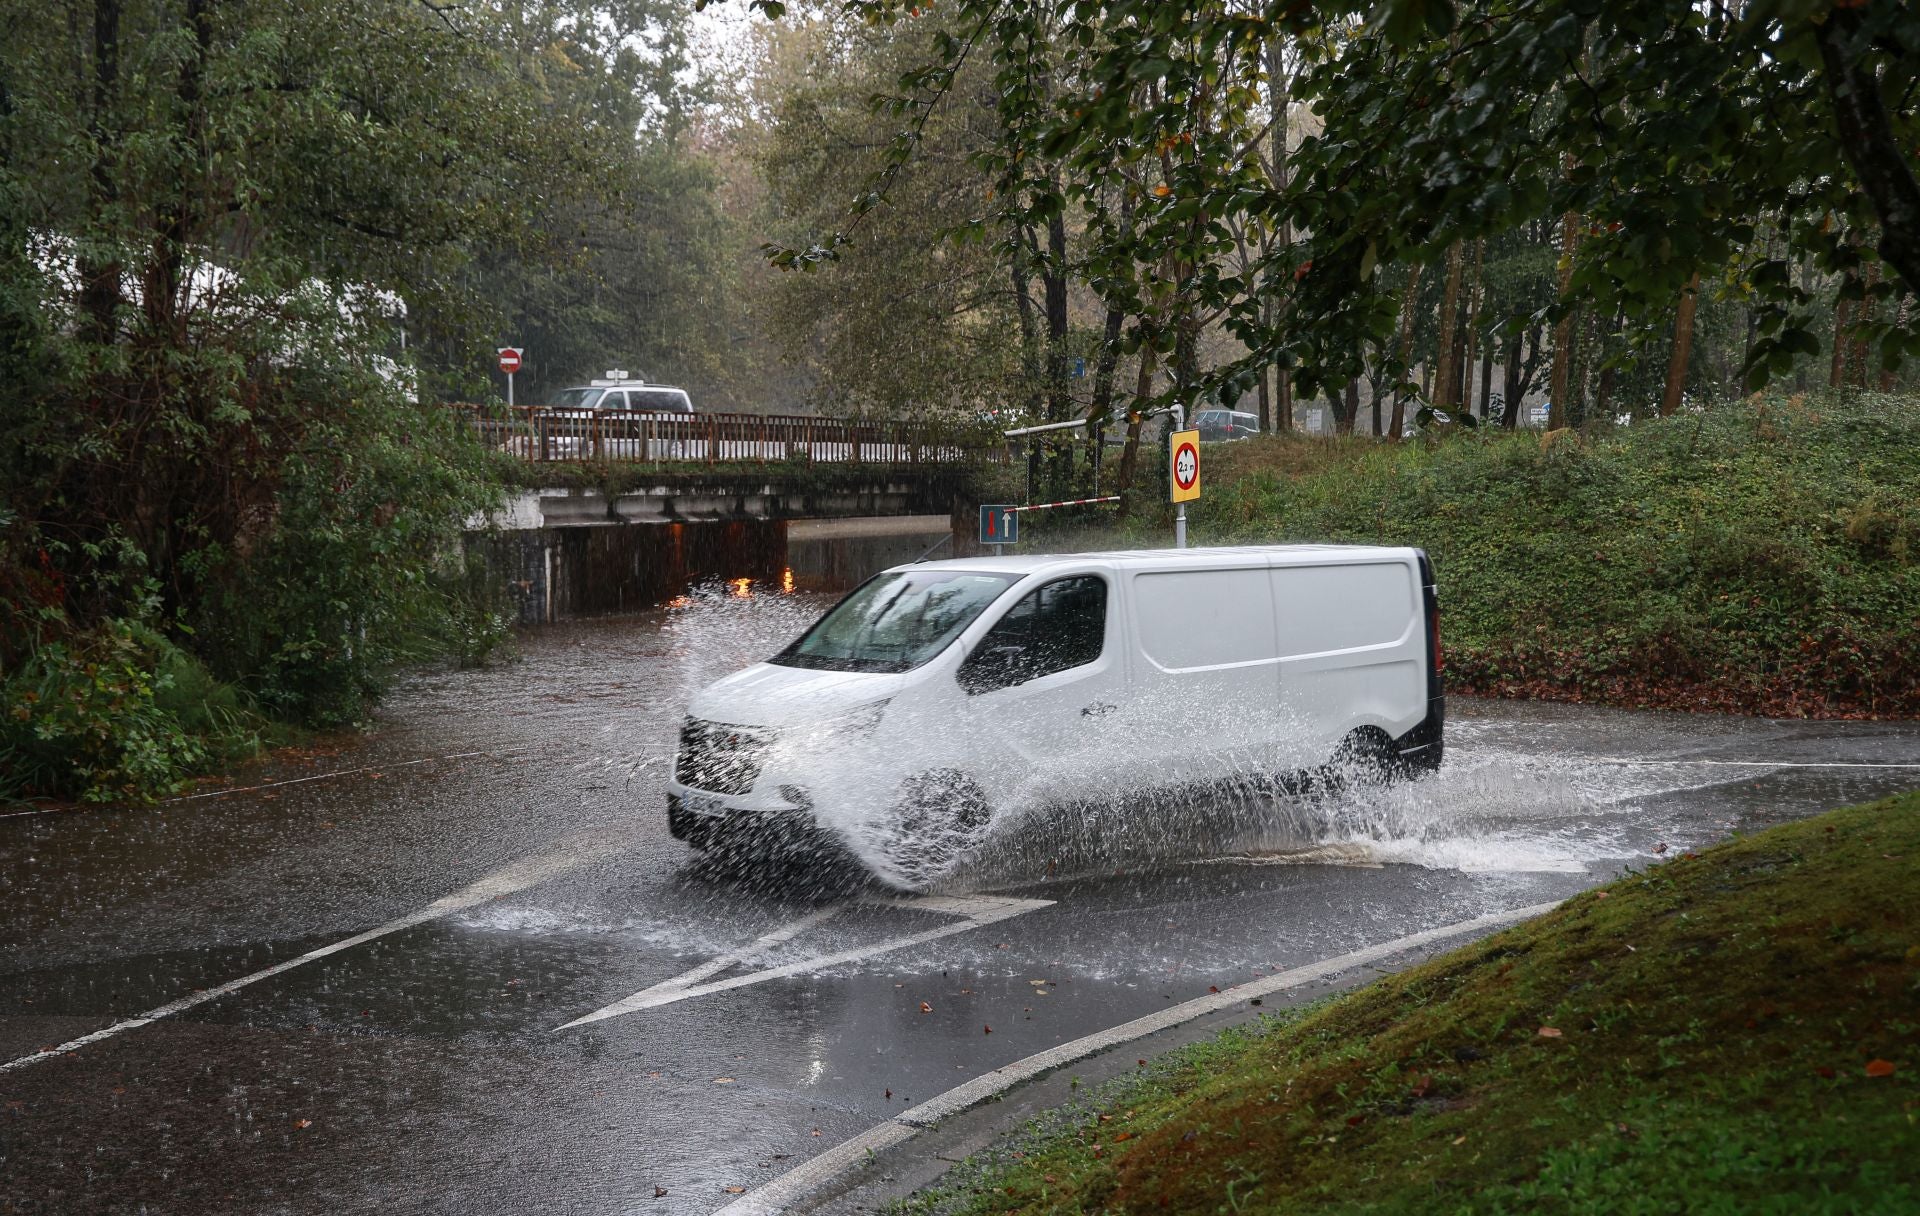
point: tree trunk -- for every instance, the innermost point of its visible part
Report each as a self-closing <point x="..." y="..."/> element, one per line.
<point x="1376" y="405"/>
<point x="1059" y="392"/>
<point x="1682" y="348"/>
<point x="1030" y="361"/>
<point x="1870" y="144"/>
<point x="1445" y="374"/>
<point x="100" y="279"/>
<point x="1353" y="403"/>
<point x="1899" y="323"/>
<point x="1563" y="333"/>
<point x="1279" y="99"/>
<point x="1838" y="376"/>
<point x="1130" y="454"/>
<point x="1486" y="378"/>
<point x="1109" y="359"/>
<point x="1342" y="421"/>
<point x="1857" y="330"/>
<point x="1403" y="363"/>
<point x="1472" y="335"/>
<point x="1510" y="388"/>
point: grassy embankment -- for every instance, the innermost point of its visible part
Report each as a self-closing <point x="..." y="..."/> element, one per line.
<point x="1737" y="1032"/>
<point x="1762" y="557"/>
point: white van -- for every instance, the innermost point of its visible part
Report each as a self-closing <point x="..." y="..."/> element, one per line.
<point x="940" y="693"/>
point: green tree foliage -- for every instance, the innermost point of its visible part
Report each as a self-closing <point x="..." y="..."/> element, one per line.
<point x="911" y="320"/>
<point x="1663" y="139"/>
<point x="220" y="225"/>
<point x="642" y="270"/>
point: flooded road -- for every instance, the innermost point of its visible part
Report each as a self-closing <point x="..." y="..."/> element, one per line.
<point x="463" y="968"/>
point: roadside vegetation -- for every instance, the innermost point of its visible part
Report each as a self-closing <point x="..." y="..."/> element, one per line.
<point x="1728" y="1032"/>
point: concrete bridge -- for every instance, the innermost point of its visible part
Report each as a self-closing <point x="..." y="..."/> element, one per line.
<point x="620" y="512"/>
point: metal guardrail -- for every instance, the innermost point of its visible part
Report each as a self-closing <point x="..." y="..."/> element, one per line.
<point x="541" y="433"/>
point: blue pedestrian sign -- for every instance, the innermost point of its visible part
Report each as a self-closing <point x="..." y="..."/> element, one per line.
<point x="1079" y="369"/>
<point x="999" y="524"/>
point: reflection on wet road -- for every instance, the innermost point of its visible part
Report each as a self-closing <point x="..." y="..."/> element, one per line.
<point x="481" y="977"/>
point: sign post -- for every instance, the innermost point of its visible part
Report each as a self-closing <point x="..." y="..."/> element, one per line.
<point x="1183" y="467"/>
<point x="999" y="525"/>
<point x="509" y="363"/>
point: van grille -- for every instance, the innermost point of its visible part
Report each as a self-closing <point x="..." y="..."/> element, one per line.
<point x="718" y="757"/>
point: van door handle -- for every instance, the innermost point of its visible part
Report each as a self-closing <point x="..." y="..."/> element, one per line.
<point x="1097" y="710"/>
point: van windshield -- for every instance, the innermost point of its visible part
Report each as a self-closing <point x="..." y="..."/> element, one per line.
<point x="895" y="622"/>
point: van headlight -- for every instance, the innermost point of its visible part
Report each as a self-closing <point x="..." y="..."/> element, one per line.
<point x="854" y="724"/>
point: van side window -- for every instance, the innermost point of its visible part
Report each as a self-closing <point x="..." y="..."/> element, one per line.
<point x="1057" y="627"/>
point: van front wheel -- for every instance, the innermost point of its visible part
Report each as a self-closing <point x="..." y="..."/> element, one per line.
<point x="939" y="817"/>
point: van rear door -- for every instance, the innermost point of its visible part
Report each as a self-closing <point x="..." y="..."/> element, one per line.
<point x="1352" y="651"/>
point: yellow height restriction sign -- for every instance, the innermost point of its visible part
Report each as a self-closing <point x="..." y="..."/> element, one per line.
<point x="1184" y="468"/>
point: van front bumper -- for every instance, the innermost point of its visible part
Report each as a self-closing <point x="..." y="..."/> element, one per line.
<point x="702" y="819"/>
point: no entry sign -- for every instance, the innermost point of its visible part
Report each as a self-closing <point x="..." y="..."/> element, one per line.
<point x="509" y="359"/>
<point x="1185" y="466"/>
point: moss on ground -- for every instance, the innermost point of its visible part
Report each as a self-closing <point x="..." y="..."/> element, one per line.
<point x="1736" y="1032"/>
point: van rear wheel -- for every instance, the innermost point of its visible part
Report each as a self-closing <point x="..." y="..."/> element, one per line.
<point x="939" y="817"/>
<point x="1367" y="757"/>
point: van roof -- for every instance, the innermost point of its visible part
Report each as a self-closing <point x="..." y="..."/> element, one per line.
<point x="1158" y="558"/>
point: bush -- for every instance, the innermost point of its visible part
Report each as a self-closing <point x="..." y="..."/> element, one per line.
<point x="119" y="714"/>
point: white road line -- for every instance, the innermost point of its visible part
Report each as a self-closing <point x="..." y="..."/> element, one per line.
<point x="756" y="947"/>
<point x="974" y="913"/>
<point x="797" y="1184"/>
<point x="515" y="877"/>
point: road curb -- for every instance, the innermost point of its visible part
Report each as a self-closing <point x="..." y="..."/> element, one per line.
<point x="808" y="1179"/>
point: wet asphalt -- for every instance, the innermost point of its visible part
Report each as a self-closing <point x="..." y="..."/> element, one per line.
<point x="511" y="821"/>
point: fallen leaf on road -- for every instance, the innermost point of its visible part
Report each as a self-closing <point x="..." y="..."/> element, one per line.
<point x="816" y="1131"/>
<point x="986" y="1030"/>
<point x="925" y="1008"/>
<point x="659" y="1192"/>
<point x="723" y="1080"/>
<point x="302" y="1124"/>
<point x="1880" y="1068"/>
<point x="1213" y="987"/>
<point x="736" y="1190"/>
<point x="889" y="1095"/>
<point x="1661" y="847"/>
<point x="1123" y="1136"/>
<point x="1549" y="1032"/>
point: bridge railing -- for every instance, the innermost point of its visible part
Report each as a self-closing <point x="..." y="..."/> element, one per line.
<point x="542" y="433"/>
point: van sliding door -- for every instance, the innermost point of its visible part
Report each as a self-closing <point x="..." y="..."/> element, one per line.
<point x="1207" y="682"/>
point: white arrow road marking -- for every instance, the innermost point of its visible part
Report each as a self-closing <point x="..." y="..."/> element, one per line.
<point x="974" y="912"/>
<point x="571" y="853"/>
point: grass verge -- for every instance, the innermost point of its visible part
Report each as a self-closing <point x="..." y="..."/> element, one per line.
<point x="1736" y="1032"/>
